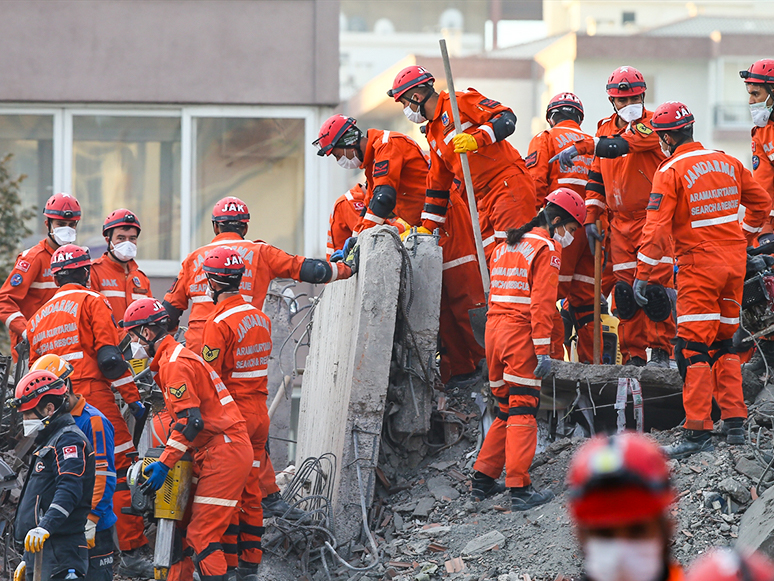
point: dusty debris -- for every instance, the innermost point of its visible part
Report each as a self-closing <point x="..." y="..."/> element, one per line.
<point x="493" y="540"/>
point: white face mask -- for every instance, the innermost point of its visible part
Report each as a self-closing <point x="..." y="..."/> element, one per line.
<point x="623" y="559"/>
<point x="138" y="351"/>
<point x="565" y="239"/>
<point x="63" y="235"/>
<point x="413" y="116"/>
<point x="760" y="113"/>
<point x="665" y="148"/>
<point x="209" y="293"/>
<point x="32" y="426"/>
<point x="631" y="113"/>
<point x="348" y="163"/>
<point x="125" y="251"/>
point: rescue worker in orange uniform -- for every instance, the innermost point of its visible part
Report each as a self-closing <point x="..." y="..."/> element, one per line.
<point x="627" y="154"/>
<point x="620" y="498"/>
<point x="115" y="274"/>
<point x="77" y="324"/>
<point x="208" y="425"/>
<point x="344" y="217"/>
<point x="696" y="197"/>
<point x="726" y="564"/>
<point x="30" y="283"/>
<point x="237" y="345"/>
<point x="396" y="176"/>
<point x="504" y="189"/>
<point x="520" y="320"/>
<point x="576" y="279"/>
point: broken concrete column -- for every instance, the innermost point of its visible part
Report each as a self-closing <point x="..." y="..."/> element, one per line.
<point x="346" y="376"/>
<point x="756" y="529"/>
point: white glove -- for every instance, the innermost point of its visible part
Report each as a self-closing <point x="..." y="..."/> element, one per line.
<point x="34" y="540"/>
<point x="20" y="573"/>
<point x="91" y="531"/>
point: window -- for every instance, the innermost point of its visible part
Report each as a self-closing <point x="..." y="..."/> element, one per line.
<point x="260" y="161"/>
<point x="129" y="162"/>
<point x="628" y="18"/>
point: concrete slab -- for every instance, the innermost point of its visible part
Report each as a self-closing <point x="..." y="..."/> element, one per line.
<point x="756" y="529"/>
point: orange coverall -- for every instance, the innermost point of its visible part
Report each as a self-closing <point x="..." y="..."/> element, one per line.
<point x="623" y="185"/>
<point x="344" y="217"/>
<point x="695" y="200"/>
<point x="75" y="324"/>
<point x="576" y="278"/>
<point x="396" y="160"/>
<point x="504" y="189"/>
<point x="763" y="163"/>
<point x="221" y="450"/>
<point x="121" y="283"/>
<point x="28" y="286"/>
<point x="522" y="307"/>
<point x="237" y="344"/>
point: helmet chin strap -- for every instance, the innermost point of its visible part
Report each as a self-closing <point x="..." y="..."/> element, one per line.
<point x="421" y="103"/>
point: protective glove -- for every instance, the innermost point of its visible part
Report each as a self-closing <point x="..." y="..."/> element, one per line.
<point x="400" y="224"/>
<point x="544" y="366"/>
<point x="20" y="573"/>
<point x="565" y="158"/>
<point x="91" y="532"/>
<point x="420" y="230"/>
<point x="34" y="540"/>
<point x="593" y="234"/>
<point x="337" y="256"/>
<point x="464" y="142"/>
<point x="157" y="474"/>
<point x="138" y="409"/>
<point x="353" y="259"/>
<point x="639" y="292"/>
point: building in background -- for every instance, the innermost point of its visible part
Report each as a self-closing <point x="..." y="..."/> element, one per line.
<point x="165" y="107"/>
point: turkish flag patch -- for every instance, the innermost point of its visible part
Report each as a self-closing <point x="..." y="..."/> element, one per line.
<point x="556" y="262"/>
<point x="489" y="103"/>
<point x="654" y="202"/>
<point x="381" y="168"/>
<point x="22" y="265"/>
<point x="531" y="159"/>
<point x="70" y="452"/>
<point x="358" y="206"/>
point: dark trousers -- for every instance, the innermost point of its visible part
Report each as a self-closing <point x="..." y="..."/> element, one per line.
<point x="101" y="556"/>
<point x="60" y="554"/>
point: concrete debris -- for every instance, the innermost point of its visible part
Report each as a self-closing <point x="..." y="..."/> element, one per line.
<point x="424" y="506"/>
<point x="441" y="489"/>
<point x="736" y="489"/>
<point x="493" y="540"/>
<point x="756" y="529"/>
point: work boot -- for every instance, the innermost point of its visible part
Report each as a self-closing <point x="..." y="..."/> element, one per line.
<point x="275" y="505"/>
<point x="231" y="574"/>
<point x="134" y="564"/>
<point x="247" y="571"/>
<point x="756" y="364"/>
<point x="527" y="497"/>
<point x="659" y="358"/>
<point x="484" y="486"/>
<point x="693" y="442"/>
<point x="636" y="361"/>
<point x="464" y="379"/>
<point x="732" y="428"/>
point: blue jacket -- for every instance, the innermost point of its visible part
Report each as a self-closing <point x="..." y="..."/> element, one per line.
<point x="99" y="432"/>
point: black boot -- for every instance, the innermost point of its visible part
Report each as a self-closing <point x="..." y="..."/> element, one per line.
<point x="732" y="428"/>
<point x="484" y="486"/>
<point x="756" y="364"/>
<point x="636" y="361"/>
<point x="694" y="441"/>
<point x="275" y="505"/>
<point x="135" y="564"/>
<point x="247" y="571"/>
<point x="527" y="497"/>
<point x="659" y="358"/>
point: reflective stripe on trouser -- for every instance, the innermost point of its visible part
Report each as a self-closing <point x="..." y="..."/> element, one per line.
<point x="129" y="528"/>
<point x="222" y="470"/>
<point x="511" y="356"/>
<point x="705" y="279"/>
<point x="507" y="202"/>
<point x="639" y="332"/>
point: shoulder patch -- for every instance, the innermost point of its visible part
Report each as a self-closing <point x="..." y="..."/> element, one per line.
<point x="70" y="452"/>
<point x="445" y="118"/>
<point x="178" y="391"/>
<point x="16" y="279"/>
<point x="381" y="168"/>
<point x="556" y="262"/>
<point x="531" y="159"/>
<point x="489" y="103"/>
<point x="753" y="145"/>
<point x="643" y="129"/>
<point x="359" y="206"/>
<point x="209" y="354"/>
<point x="22" y="265"/>
<point x="654" y="201"/>
<point x="756" y="161"/>
<point x="136" y="281"/>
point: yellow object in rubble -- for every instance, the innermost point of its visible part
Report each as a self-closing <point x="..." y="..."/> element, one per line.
<point x="172" y="497"/>
<point x="611" y="348"/>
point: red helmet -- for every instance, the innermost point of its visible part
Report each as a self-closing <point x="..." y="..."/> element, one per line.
<point x="760" y="72"/>
<point x="33" y="386"/>
<point x="332" y="131"/>
<point x="565" y="100"/>
<point x="625" y="82"/>
<point x="569" y="201"/>
<point x="230" y="209"/>
<point x="69" y="257"/>
<point x="729" y="565"/>
<point x="618" y="480"/>
<point x="145" y="311"/>
<point x="671" y="115"/>
<point x="62" y="207"/>
<point x="409" y="78"/>
<point x="120" y="217"/>
<point x="223" y="264"/>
